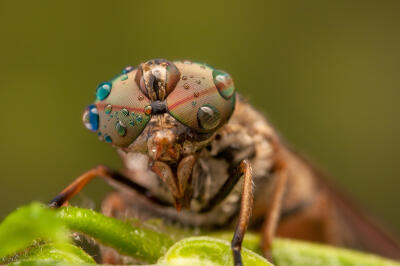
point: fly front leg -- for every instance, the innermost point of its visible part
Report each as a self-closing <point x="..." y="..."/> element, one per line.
<point x="105" y="172"/>
<point x="246" y="206"/>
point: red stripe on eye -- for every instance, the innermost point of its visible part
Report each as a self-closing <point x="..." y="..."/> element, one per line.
<point x="180" y="102"/>
<point x="101" y="106"/>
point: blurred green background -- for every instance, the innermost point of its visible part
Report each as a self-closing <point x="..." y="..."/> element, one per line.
<point x="326" y="73"/>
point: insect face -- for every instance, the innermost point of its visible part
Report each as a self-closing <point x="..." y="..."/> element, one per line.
<point x="162" y="108"/>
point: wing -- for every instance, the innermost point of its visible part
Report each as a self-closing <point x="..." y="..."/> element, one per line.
<point x="365" y="231"/>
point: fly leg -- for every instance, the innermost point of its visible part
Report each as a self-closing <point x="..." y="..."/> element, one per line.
<point x="100" y="171"/>
<point x="274" y="208"/>
<point x="246" y="205"/>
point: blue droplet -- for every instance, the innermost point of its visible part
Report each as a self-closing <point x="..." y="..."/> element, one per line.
<point x="107" y="138"/>
<point x="132" y="123"/>
<point x="91" y="118"/>
<point x="127" y="69"/>
<point x="103" y="90"/>
<point x="124" y="77"/>
<point x="139" y="118"/>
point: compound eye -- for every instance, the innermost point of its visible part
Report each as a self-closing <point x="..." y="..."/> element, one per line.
<point x="91" y="118"/>
<point x="119" y="114"/>
<point x="208" y="117"/>
<point x="203" y="99"/>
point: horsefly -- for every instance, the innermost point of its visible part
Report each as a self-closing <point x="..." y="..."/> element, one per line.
<point x="197" y="154"/>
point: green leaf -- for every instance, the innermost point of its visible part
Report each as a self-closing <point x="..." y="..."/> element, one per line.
<point x="207" y="251"/>
<point x="58" y="252"/>
<point x="287" y="252"/>
<point x="46" y="262"/>
<point x="141" y="243"/>
<point x="251" y="240"/>
<point x="23" y="226"/>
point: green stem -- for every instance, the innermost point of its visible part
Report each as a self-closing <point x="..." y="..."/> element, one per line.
<point x="141" y="243"/>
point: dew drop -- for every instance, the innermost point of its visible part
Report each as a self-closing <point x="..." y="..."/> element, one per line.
<point x="91" y="118"/>
<point x="224" y="83"/>
<point x="124" y="77"/>
<point x="127" y="69"/>
<point x="132" y="123"/>
<point x="208" y="117"/>
<point x="139" y="118"/>
<point x="125" y="112"/>
<point x="103" y="90"/>
<point x="148" y="109"/>
<point x="108" y="109"/>
<point x="121" y="128"/>
<point x="107" y="138"/>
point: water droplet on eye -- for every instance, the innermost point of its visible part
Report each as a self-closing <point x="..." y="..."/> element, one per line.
<point x="107" y="138"/>
<point x="208" y="117"/>
<point x="91" y="118"/>
<point x="186" y="86"/>
<point x="196" y="94"/>
<point x="184" y="78"/>
<point x="224" y="83"/>
<point x="139" y="118"/>
<point x="108" y="109"/>
<point x="124" y="77"/>
<point x="127" y="69"/>
<point x="148" y="109"/>
<point x="125" y="112"/>
<point x="121" y="128"/>
<point x="103" y="90"/>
